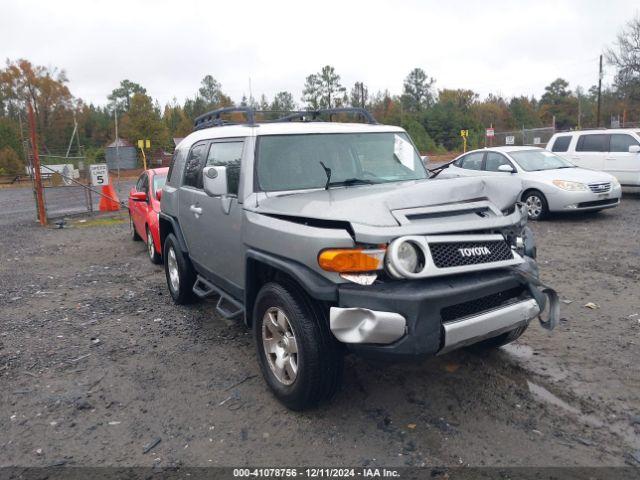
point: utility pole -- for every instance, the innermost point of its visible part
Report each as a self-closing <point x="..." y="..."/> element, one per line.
<point x="115" y="111"/>
<point x="599" y="93"/>
<point x="42" y="215"/>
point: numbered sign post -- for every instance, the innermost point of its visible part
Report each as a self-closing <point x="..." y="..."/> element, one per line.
<point x="464" y="134"/>
<point x="99" y="175"/>
<point x="142" y="144"/>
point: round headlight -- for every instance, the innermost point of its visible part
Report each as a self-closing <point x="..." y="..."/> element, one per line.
<point x="410" y="257"/>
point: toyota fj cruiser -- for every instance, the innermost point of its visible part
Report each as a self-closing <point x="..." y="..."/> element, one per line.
<point x="328" y="237"/>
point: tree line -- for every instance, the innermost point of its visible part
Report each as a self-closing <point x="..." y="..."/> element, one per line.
<point x="432" y="116"/>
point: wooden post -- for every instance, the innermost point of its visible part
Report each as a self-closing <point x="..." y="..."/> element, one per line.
<point x="42" y="214"/>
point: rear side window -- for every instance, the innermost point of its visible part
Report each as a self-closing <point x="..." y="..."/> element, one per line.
<point x="174" y="170"/>
<point x="473" y="161"/>
<point x="561" y="144"/>
<point x="620" y="142"/>
<point x="227" y="154"/>
<point x="140" y="183"/>
<point x="145" y="183"/>
<point x="194" y="165"/>
<point x="598" y="142"/>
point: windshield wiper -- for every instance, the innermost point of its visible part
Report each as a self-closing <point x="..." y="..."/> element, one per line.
<point x="566" y="166"/>
<point x="350" y="181"/>
<point x="327" y="172"/>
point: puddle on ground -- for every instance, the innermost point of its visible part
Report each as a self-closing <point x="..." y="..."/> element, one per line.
<point x="518" y="350"/>
<point x="546" y="396"/>
<point x="618" y="427"/>
<point x="528" y="358"/>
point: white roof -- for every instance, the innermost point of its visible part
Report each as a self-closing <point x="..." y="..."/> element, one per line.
<point x="283" y="128"/>
<point x="599" y="130"/>
<point x="506" y="149"/>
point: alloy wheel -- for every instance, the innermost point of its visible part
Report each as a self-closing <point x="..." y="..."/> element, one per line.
<point x="150" y="246"/>
<point x="280" y="345"/>
<point x="534" y="206"/>
<point x="172" y="266"/>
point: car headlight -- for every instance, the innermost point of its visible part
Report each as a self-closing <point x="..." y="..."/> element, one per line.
<point x="614" y="182"/>
<point x="570" y="186"/>
<point x="410" y="257"/>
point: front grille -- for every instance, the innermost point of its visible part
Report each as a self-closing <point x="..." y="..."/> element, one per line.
<point x="481" y="305"/>
<point x="456" y="254"/>
<point x="598" y="203"/>
<point x="602" y="187"/>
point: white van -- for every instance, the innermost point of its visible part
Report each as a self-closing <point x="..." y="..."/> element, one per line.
<point x="615" y="151"/>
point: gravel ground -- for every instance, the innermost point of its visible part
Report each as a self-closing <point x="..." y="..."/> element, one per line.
<point x="96" y="363"/>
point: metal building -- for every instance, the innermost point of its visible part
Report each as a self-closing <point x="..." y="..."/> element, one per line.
<point x="122" y="150"/>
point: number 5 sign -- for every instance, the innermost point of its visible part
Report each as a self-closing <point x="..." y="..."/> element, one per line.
<point x="99" y="175"/>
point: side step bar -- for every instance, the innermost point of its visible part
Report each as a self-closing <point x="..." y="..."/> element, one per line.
<point x="227" y="307"/>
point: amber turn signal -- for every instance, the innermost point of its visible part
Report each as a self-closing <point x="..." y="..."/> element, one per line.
<point x="348" y="260"/>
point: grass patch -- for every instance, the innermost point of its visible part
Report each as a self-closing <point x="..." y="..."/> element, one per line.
<point x="101" y="221"/>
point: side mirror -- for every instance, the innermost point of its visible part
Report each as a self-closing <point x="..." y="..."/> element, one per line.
<point x="138" y="196"/>
<point x="215" y="181"/>
<point x="506" y="169"/>
<point x="159" y="194"/>
<point x="634" y="148"/>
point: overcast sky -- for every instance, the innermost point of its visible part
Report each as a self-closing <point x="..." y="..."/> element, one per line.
<point x="505" y="47"/>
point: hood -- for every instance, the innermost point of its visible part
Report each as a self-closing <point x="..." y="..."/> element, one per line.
<point x="576" y="174"/>
<point x="374" y="205"/>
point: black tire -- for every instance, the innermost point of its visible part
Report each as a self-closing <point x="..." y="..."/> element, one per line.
<point x="536" y="202"/>
<point x="319" y="358"/>
<point x="500" y="340"/>
<point x="182" y="292"/>
<point x="134" y="235"/>
<point x="154" y="256"/>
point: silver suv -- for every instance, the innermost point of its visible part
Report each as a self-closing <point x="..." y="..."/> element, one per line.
<point x="328" y="238"/>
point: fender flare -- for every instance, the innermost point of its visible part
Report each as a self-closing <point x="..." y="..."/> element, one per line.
<point x="163" y="220"/>
<point x="315" y="285"/>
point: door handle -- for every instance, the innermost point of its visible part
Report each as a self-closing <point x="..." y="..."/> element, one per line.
<point x="196" y="210"/>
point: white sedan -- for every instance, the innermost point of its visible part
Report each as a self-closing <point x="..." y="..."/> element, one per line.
<point x="550" y="183"/>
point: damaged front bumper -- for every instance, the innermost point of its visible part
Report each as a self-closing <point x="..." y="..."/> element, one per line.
<point x="432" y="316"/>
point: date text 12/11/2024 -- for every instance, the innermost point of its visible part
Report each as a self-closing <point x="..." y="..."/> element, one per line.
<point x="316" y="472"/>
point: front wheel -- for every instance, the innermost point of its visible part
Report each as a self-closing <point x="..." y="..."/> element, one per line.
<point x="300" y="359"/>
<point x="179" y="272"/>
<point x="537" y="206"/>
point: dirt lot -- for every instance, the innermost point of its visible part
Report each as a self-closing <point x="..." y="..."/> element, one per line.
<point x="96" y="362"/>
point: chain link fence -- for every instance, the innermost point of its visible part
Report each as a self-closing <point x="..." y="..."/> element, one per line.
<point x="66" y="183"/>
<point x="535" y="137"/>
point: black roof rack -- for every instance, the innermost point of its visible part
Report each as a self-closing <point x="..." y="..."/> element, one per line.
<point x="312" y="115"/>
<point x="213" y="119"/>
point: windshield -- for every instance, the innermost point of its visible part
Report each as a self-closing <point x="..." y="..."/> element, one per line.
<point x="158" y="182"/>
<point x="299" y="162"/>
<point x="535" y="160"/>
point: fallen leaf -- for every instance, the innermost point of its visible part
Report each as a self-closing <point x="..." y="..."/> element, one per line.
<point x="451" y="367"/>
<point x="591" y="305"/>
<point x="411" y="426"/>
